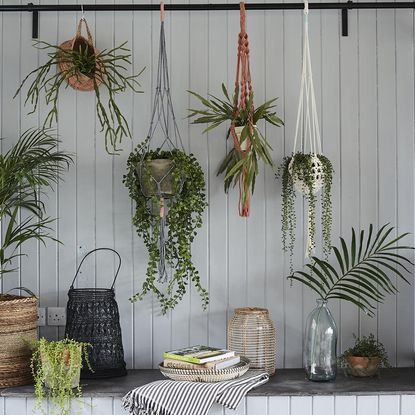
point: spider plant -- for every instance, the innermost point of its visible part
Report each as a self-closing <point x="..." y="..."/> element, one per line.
<point x="363" y="271"/>
<point x="217" y="111"/>
<point x="32" y="164"/>
<point x="107" y="68"/>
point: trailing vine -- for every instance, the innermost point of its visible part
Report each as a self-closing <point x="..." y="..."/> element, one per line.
<point x="183" y="218"/>
<point x="298" y="167"/>
<point x="55" y="365"/>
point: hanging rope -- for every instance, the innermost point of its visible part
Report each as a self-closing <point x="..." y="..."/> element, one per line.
<point x="243" y="85"/>
<point x="307" y="130"/>
<point x="162" y="120"/>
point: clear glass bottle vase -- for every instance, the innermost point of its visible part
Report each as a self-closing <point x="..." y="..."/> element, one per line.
<point x="320" y="344"/>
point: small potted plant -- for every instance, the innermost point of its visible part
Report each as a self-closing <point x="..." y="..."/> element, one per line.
<point x="251" y="141"/>
<point x="56" y="368"/>
<point x="168" y="229"/>
<point x="306" y="174"/>
<point x="78" y="63"/>
<point x="365" y="358"/>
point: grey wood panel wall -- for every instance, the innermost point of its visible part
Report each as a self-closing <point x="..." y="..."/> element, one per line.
<point x="274" y="405"/>
<point x="365" y="95"/>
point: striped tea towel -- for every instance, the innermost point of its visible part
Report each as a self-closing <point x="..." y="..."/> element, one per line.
<point x="169" y="397"/>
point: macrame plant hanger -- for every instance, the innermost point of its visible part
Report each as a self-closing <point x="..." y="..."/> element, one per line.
<point x="243" y="84"/>
<point x="307" y="129"/>
<point x="164" y="121"/>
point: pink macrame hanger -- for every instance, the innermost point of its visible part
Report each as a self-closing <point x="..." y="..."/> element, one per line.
<point x="162" y="11"/>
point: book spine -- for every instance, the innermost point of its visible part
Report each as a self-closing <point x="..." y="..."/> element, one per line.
<point x="181" y="358"/>
<point x="176" y="364"/>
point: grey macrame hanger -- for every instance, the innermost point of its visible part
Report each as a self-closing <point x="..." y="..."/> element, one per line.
<point x="163" y="120"/>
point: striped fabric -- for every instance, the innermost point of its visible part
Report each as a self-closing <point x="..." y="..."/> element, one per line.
<point x="168" y="397"/>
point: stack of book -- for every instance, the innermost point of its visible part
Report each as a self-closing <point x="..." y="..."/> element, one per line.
<point x="200" y="357"/>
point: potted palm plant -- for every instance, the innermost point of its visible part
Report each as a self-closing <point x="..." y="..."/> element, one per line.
<point x="365" y="358"/>
<point x="363" y="273"/>
<point x="217" y="111"/>
<point x="56" y="368"/>
<point x="79" y="64"/>
<point x="31" y="165"/>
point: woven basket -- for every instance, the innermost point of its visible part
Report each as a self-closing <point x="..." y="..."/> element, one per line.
<point x="93" y="317"/>
<point x="251" y="333"/>
<point x="18" y="328"/>
<point x="206" y="375"/>
<point x="317" y="173"/>
<point x="80" y="81"/>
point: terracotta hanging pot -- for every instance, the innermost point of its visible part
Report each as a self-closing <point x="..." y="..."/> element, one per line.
<point x="81" y="81"/>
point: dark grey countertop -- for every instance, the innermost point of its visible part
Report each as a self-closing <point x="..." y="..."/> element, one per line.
<point x="285" y="382"/>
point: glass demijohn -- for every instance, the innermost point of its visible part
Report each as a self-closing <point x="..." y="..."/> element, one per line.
<point x="320" y="344"/>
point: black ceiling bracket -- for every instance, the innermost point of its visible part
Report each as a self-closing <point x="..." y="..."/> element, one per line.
<point x="345" y="18"/>
<point x="35" y="22"/>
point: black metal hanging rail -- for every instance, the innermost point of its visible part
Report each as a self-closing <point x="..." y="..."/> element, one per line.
<point x="35" y="9"/>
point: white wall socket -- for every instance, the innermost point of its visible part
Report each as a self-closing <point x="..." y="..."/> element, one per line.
<point x="41" y="316"/>
<point x="56" y="316"/>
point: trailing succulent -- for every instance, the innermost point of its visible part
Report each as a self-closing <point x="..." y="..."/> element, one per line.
<point x="363" y="273"/>
<point x="55" y="365"/>
<point x="219" y="110"/>
<point x="366" y="346"/>
<point x="183" y="217"/>
<point x="107" y="69"/>
<point x="299" y="167"/>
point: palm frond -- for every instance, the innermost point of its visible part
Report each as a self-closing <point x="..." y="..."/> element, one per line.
<point x="367" y="268"/>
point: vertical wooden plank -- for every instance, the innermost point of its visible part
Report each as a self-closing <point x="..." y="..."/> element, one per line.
<point x="86" y="131"/>
<point x="386" y="43"/>
<point x="279" y="405"/>
<point x="405" y="174"/>
<point x="82" y="406"/>
<point x="345" y="405"/>
<point x="219" y="238"/>
<point x="349" y="162"/>
<point x="407" y="404"/>
<point x="323" y="405"/>
<point x="294" y="328"/>
<point x="102" y="406"/>
<point x="274" y="262"/>
<point x="256" y="405"/>
<point x="142" y="319"/>
<point x="198" y="145"/>
<point x="256" y="226"/>
<point x="2" y="403"/>
<point x="216" y="410"/>
<point x="389" y="404"/>
<point x="301" y="405"/>
<point x="240" y="410"/>
<point x="177" y="36"/>
<point x="32" y="407"/>
<point x="15" y="406"/>
<point x="117" y="408"/>
<point x="330" y="114"/>
<point x="368" y="161"/>
<point x="367" y="405"/>
<point x="123" y="231"/>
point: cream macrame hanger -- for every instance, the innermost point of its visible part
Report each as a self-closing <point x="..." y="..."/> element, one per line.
<point x="307" y="129"/>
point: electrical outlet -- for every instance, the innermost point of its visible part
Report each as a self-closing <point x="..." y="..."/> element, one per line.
<point x="41" y="316"/>
<point x="56" y="316"/>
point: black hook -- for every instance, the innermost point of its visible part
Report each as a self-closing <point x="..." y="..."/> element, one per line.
<point x="35" y="22"/>
<point x="345" y="18"/>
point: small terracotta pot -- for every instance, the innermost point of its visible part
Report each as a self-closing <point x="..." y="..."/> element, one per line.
<point x="363" y="366"/>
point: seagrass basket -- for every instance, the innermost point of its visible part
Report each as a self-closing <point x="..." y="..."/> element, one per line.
<point x="251" y="333"/>
<point x="78" y="80"/>
<point x="18" y="328"/>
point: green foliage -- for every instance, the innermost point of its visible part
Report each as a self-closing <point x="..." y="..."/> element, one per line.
<point x="108" y="66"/>
<point x="234" y="165"/>
<point x="301" y="169"/>
<point x="55" y="364"/>
<point x="32" y="164"/>
<point x="366" y="346"/>
<point x="364" y="270"/>
<point x="184" y="217"/>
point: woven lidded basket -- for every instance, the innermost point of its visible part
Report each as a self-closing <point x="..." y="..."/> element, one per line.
<point x="251" y="333"/>
<point x="18" y="328"/>
<point x="80" y="81"/>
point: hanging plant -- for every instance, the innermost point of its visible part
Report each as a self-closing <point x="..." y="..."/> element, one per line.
<point x="168" y="187"/>
<point x="79" y="64"/>
<point x="306" y="174"/>
<point x="249" y="144"/>
<point x="56" y="368"/>
<point x="182" y="219"/>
